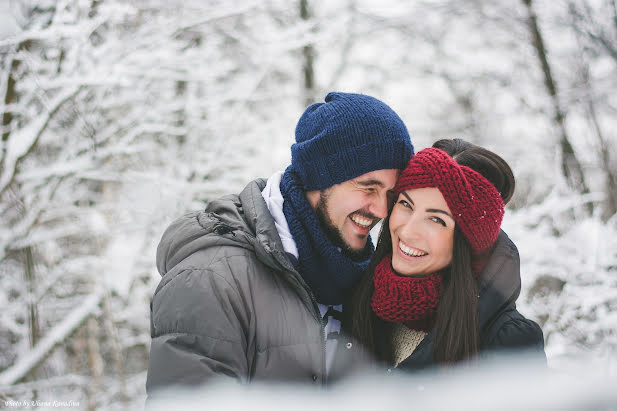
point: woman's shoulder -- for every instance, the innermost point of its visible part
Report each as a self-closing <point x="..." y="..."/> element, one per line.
<point x="511" y="331"/>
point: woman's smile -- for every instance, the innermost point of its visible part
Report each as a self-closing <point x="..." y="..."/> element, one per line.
<point x="410" y="251"/>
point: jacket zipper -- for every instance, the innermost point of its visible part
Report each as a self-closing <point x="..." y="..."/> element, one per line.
<point x="324" y="374"/>
<point x="322" y="329"/>
<point x="321" y="325"/>
<point x="315" y="309"/>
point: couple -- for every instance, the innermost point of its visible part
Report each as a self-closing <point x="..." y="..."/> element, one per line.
<point x="282" y="282"/>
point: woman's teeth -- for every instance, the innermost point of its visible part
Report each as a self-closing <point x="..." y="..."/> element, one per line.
<point x="409" y="251"/>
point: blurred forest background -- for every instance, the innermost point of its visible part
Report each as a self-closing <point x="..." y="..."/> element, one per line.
<point x="117" y="117"/>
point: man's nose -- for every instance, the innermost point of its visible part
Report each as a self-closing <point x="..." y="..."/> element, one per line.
<point x="380" y="207"/>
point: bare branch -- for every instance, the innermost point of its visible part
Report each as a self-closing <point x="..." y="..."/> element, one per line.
<point x="308" y="54"/>
<point x="570" y="165"/>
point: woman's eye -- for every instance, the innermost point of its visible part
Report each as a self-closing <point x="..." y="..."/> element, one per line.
<point x="404" y="203"/>
<point x="439" y="221"/>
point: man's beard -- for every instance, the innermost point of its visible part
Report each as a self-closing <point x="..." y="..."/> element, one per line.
<point x="333" y="233"/>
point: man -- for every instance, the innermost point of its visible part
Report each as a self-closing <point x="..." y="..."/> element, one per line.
<point x="252" y="286"/>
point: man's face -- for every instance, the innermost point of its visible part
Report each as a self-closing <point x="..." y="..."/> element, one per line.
<point x="347" y="211"/>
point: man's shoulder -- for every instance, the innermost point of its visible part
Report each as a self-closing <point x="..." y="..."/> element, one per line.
<point x="220" y="247"/>
<point x="239" y="210"/>
<point x="234" y="236"/>
<point x="227" y="221"/>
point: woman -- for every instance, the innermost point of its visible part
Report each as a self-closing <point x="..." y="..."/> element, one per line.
<point x="442" y="285"/>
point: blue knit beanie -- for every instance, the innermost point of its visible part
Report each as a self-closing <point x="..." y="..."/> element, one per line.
<point x="345" y="137"/>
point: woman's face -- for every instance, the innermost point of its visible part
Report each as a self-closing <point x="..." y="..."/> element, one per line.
<point x="422" y="229"/>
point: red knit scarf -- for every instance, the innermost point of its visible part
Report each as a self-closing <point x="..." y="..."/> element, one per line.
<point x="405" y="299"/>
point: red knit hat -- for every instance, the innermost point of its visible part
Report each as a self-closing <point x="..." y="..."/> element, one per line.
<point x="475" y="203"/>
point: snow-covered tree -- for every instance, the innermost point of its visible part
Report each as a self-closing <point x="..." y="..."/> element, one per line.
<point x="119" y="116"/>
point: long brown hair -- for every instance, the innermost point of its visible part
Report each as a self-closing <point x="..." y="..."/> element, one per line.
<point x="456" y="335"/>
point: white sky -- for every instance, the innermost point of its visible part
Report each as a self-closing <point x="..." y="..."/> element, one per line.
<point x="8" y="25"/>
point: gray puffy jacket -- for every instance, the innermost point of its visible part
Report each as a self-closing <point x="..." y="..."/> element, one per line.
<point x="230" y="303"/>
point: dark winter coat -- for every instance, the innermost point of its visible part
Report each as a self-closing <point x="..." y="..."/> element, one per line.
<point x="231" y="305"/>
<point x="503" y="330"/>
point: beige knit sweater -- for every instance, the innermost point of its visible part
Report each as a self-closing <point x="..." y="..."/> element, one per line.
<point x="405" y="341"/>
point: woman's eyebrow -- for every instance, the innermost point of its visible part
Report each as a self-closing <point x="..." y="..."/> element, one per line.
<point x="408" y="198"/>
<point x="435" y="210"/>
<point x="430" y="210"/>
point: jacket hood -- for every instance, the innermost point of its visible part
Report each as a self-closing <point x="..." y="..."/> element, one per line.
<point x="234" y="220"/>
<point x="500" y="281"/>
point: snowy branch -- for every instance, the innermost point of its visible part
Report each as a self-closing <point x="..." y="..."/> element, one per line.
<point x="55" y="336"/>
<point x="24" y="141"/>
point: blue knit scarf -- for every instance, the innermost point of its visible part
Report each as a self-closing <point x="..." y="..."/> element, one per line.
<point x="330" y="275"/>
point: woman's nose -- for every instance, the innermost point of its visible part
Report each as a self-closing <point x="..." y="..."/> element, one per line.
<point x="411" y="228"/>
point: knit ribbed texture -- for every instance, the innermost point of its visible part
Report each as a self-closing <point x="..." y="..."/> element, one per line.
<point x="345" y="137"/>
<point x="405" y="299"/>
<point x="475" y="203"/>
<point x="404" y="342"/>
<point x="330" y="275"/>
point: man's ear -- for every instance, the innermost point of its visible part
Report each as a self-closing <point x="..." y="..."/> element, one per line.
<point x="313" y="198"/>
